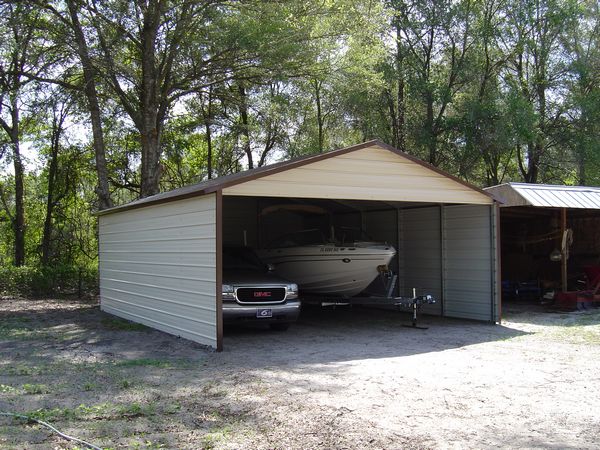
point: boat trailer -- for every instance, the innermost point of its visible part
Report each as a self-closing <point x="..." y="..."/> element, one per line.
<point x="414" y="303"/>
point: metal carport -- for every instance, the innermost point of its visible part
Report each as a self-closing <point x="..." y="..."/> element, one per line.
<point x="160" y="257"/>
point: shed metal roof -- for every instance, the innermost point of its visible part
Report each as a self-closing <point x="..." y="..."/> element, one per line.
<point x="546" y="195"/>
<point x="217" y="184"/>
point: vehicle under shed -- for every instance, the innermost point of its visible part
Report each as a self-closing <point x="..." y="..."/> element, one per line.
<point x="161" y="257"/>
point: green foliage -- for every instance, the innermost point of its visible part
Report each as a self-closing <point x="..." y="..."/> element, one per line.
<point x="490" y="91"/>
<point x="33" y="389"/>
<point x="6" y="389"/>
<point x="144" y="362"/>
<point x="41" y="281"/>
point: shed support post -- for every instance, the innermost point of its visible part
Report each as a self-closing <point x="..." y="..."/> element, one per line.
<point x="443" y="259"/>
<point x="564" y="251"/>
<point x="219" y="269"/>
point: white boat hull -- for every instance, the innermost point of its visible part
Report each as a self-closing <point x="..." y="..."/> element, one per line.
<point x="329" y="269"/>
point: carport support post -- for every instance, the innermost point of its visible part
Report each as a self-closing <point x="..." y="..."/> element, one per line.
<point x="219" y="268"/>
<point x="564" y="251"/>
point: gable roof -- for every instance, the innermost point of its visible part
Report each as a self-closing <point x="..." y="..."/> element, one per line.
<point x="220" y="183"/>
<point x="547" y="196"/>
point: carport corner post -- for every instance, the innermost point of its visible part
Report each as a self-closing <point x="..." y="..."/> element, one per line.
<point x="219" y="267"/>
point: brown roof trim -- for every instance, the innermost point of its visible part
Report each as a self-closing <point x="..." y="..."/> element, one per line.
<point x="217" y="184"/>
<point x="219" y="268"/>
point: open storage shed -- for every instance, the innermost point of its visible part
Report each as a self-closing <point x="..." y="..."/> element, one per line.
<point x="550" y="236"/>
<point x="160" y="258"/>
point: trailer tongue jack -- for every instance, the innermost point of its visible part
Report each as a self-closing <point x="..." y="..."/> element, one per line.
<point x="415" y="303"/>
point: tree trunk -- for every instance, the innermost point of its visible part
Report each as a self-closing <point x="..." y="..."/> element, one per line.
<point x="581" y="163"/>
<point x="320" y="120"/>
<point x="19" y="222"/>
<point x="151" y="171"/>
<point x="209" y="150"/>
<point x="245" y="126"/>
<point x="150" y="125"/>
<point x="207" y="124"/>
<point x="52" y="170"/>
<point x="393" y="117"/>
<point x="429" y="130"/>
<point x="400" y="137"/>
<point x="89" y="75"/>
<point x="57" y="128"/>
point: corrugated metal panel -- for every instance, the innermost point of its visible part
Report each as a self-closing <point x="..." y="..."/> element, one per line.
<point x="157" y="267"/>
<point x="547" y="196"/>
<point x="422" y="250"/>
<point x="371" y="173"/>
<point x="468" y="262"/>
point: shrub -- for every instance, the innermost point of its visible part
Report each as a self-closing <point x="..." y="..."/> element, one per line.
<point x="35" y="281"/>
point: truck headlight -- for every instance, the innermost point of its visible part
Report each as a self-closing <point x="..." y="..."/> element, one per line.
<point x="292" y="291"/>
<point x="228" y="292"/>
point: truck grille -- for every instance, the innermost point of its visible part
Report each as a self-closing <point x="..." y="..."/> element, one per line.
<point x="260" y="295"/>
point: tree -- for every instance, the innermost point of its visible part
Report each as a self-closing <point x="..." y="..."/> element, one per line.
<point x="582" y="41"/>
<point x="536" y="77"/>
<point x="438" y="39"/>
<point x="19" y="24"/>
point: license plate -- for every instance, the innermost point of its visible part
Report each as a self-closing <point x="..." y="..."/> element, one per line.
<point x="263" y="313"/>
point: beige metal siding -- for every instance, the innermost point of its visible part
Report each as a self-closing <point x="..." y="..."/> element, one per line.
<point x="469" y="263"/>
<point x="372" y="173"/>
<point x="157" y="267"/>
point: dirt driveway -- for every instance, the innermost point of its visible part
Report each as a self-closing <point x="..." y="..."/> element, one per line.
<point x="339" y="379"/>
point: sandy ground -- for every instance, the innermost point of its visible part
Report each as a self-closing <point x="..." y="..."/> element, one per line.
<point x="339" y="379"/>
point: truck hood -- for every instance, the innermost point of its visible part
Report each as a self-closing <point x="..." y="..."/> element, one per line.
<point x="252" y="278"/>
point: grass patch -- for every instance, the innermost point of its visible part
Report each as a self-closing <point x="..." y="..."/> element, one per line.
<point x="211" y="439"/>
<point x="32" y="389"/>
<point x="125" y="384"/>
<point x="577" y="335"/>
<point x="582" y="328"/>
<point x="17" y="328"/>
<point x="118" y="324"/>
<point x="22" y="329"/>
<point x="6" y="389"/>
<point x="144" y="362"/>
<point x="89" y="386"/>
<point x="146" y="445"/>
<point x="172" y="408"/>
<point x="158" y="363"/>
<point x="100" y="411"/>
<point x="23" y="370"/>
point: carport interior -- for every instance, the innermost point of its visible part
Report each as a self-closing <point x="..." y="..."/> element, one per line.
<point x="415" y="229"/>
<point x="530" y="235"/>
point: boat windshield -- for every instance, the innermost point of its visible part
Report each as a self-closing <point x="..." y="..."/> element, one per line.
<point x="348" y="235"/>
<point x="299" y="238"/>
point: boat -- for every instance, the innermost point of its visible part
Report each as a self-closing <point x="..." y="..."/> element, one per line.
<point x="341" y="266"/>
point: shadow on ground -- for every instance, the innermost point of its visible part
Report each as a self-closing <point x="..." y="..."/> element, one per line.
<point x="325" y="335"/>
<point x="322" y="335"/>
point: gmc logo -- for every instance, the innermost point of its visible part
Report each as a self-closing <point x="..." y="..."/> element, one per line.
<point x="261" y="294"/>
